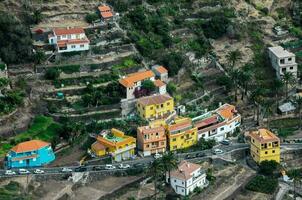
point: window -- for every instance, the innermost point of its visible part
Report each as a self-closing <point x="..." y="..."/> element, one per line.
<point x="283" y="70"/>
<point x="168" y="103"/>
<point x="289" y="59"/>
<point x="266" y="152"/>
<point x="157" y="106"/>
<point x="21" y="161"/>
<point x="282" y="61"/>
<point x="73" y="46"/>
<point x="174" y="139"/>
<point x="69" y="36"/>
<point x="147" y="145"/>
<point x="221" y="129"/>
<point x="253" y="140"/>
<point x="151" y="108"/>
<point x="162" y="105"/>
<point x="82" y="45"/>
<point x="273" y="151"/>
<point x="156" y="134"/>
<point x="182" y="137"/>
<point x="145" y="136"/>
<point x="59" y="37"/>
<point x="291" y="68"/>
<point x="174" y="181"/>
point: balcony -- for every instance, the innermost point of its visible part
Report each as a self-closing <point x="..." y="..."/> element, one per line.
<point x="118" y="151"/>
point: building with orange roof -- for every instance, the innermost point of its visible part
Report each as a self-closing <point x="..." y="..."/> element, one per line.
<point x="114" y="143"/>
<point x="33" y="153"/>
<point x="161" y="72"/>
<point x="181" y="134"/>
<point x="69" y="39"/>
<point x="186" y="178"/>
<point x="134" y="81"/>
<point x="265" y="145"/>
<point x="218" y="124"/>
<point x="155" y="106"/>
<point x="151" y="139"/>
<point x="105" y="12"/>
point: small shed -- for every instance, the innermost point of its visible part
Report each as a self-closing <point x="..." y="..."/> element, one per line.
<point x="286" y="108"/>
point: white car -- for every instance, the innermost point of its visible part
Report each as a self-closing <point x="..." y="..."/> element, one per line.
<point x="124" y="166"/>
<point x="217" y="151"/>
<point x="10" y="172"/>
<point x="65" y="169"/>
<point x="38" y="171"/>
<point x="24" y="171"/>
<point x="109" y="167"/>
<point x="157" y="156"/>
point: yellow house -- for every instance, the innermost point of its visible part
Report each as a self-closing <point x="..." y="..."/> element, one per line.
<point x="116" y="144"/>
<point x="265" y="146"/>
<point x="181" y="134"/>
<point x="155" y="107"/>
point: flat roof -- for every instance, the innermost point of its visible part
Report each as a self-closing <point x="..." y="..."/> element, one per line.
<point x="280" y="52"/>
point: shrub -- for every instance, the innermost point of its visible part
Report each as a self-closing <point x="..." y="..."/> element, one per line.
<point x="52" y="74"/>
<point x="268" y="167"/>
<point x="262" y="184"/>
<point x="91" y="17"/>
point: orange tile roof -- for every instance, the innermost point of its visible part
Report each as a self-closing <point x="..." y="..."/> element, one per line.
<point x="161" y="69"/>
<point x="66" y="31"/>
<point x="227" y="111"/>
<point x="29" y="146"/>
<point x="104" y="8"/>
<point x="159" y="83"/>
<point x="155" y="99"/>
<point x="264" y="135"/>
<point x="63" y="43"/>
<point x="107" y="14"/>
<point x="135" y="77"/>
<point x="185" y="170"/>
<point x="180" y="125"/>
<point x="98" y="146"/>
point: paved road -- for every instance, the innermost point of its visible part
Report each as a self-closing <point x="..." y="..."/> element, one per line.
<point x="145" y="162"/>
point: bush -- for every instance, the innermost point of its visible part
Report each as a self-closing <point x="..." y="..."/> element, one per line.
<point x="52" y="74"/>
<point x="91" y="17"/>
<point x="262" y="184"/>
<point x="268" y="167"/>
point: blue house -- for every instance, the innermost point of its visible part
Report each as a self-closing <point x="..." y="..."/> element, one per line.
<point x="32" y="153"/>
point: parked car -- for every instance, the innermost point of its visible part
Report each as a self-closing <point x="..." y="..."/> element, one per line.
<point x="109" y="167"/>
<point x="97" y="168"/>
<point x="124" y="166"/>
<point x="10" y="172"/>
<point x="225" y="142"/>
<point x="217" y="151"/>
<point x="200" y="154"/>
<point x="65" y="169"/>
<point x="80" y="169"/>
<point x="23" y="171"/>
<point x="189" y="156"/>
<point x="38" y="171"/>
<point x="139" y="165"/>
<point x="157" y="156"/>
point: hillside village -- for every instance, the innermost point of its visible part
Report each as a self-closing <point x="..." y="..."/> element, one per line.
<point x="150" y="99"/>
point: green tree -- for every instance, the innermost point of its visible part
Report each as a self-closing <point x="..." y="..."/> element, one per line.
<point x="148" y="85"/>
<point x="296" y="175"/>
<point x="268" y="167"/>
<point x="276" y="88"/>
<point x="91" y="17"/>
<point x="257" y="97"/>
<point x="171" y="88"/>
<point x="235" y="77"/>
<point x="288" y="79"/>
<point x="37" y="16"/>
<point x="298" y="102"/>
<point x="39" y="57"/>
<point x="52" y="74"/>
<point x="233" y="57"/>
<point x="155" y="170"/>
<point x="245" y="76"/>
<point x="169" y="162"/>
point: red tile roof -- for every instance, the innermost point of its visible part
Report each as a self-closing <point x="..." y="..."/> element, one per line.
<point x="161" y="69"/>
<point x="180" y="125"/>
<point x="264" y="135"/>
<point x="155" y="99"/>
<point x="107" y="14"/>
<point x="185" y="170"/>
<point x="135" y="77"/>
<point x="67" y="31"/>
<point x="29" y="146"/>
<point x="159" y="83"/>
<point x="207" y="121"/>
<point x="104" y="8"/>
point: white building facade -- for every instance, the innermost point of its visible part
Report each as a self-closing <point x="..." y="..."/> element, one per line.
<point x="69" y="40"/>
<point x="217" y="124"/>
<point x="282" y="61"/>
<point x="186" y="178"/>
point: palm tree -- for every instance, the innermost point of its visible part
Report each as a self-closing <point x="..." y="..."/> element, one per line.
<point x="258" y="99"/>
<point x="235" y="76"/>
<point x="37" y="16"/>
<point x="233" y="57"/>
<point x="276" y="88"/>
<point x="156" y="168"/>
<point x="268" y="110"/>
<point x="245" y="77"/>
<point x="288" y="79"/>
<point x="169" y="162"/>
<point x="298" y="102"/>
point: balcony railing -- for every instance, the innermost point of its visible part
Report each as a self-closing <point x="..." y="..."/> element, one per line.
<point x="124" y="149"/>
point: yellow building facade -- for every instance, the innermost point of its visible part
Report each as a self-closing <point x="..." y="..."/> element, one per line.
<point x="181" y="134"/>
<point x="114" y="143"/>
<point x="264" y="146"/>
<point x="155" y="107"/>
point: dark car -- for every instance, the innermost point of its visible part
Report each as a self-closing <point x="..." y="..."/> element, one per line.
<point x="97" y="168"/>
<point x="190" y="156"/>
<point x="200" y="154"/>
<point x="225" y="142"/>
<point x="80" y="169"/>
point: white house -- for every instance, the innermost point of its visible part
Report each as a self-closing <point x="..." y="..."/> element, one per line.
<point x="69" y="39"/>
<point x="217" y="124"/>
<point x="160" y="72"/>
<point x="186" y="178"/>
<point x="282" y="61"/>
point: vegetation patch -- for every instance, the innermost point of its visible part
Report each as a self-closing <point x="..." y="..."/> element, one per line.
<point x="12" y="191"/>
<point x="262" y="184"/>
